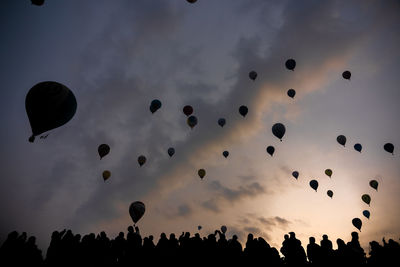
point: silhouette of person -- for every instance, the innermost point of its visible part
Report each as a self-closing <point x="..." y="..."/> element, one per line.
<point x="313" y="251"/>
<point x="356" y="252"/>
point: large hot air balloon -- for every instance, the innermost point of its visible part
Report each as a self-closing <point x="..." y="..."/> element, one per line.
<point x="366" y="213"/>
<point x="290" y="64"/>
<point x="49" y="105"/>
<point x="357" y="223"/>
<point x="171" y="151"/>
<point x="389" y="147"/>
<point x="252" y="75"/>
<point x="187" y="110"/>
<point x="106" y="175"/>
<point x="346" y="75"/>
<point x="330" y="193"/>
<point x="243" y="110"/>
<point x="136" y="210"/>
<point x="341" y="139"/>
<point x="366" y="198"/>
<point x="278" y="129"/>
<point x="358" y="147"/>
<point x="192" y="121"/>
<point x="155" y="105"/>
<point x="37" y="2"/>
<point x="291" y="93"/>
<point x="221" y="122"/>
<point x="223" y="229"/>
<point x="328" y="172"/>
<point x="201" y="173"/>
<point x="103" y="150"/>
<point x="295" y="174"/>
<point x="141" y="160"/>
<point x="374" y="184"/>
<point x="314" y="184"/>
<point x="225" y="153"/>
<point x="270" y="150"/>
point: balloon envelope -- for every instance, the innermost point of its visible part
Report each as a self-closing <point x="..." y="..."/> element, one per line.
<point x="341" y="139"/>
<point x="329" y="193"/>
<point x="136" y="210"/>
<point x="141" y="160"/>
<point x="278" y="129"/>
<point x="103" y="150"/>
<point x="221" y="122"/>
<point x="295" y="174"/>
<point x="187" y="110"/>
<point x="199" y="227"/>
<point x="346" y="75"/>
<point x="374" y="184"/>
<point x="328" y="172"/>
<point x="291" y="93"/>
<point x="201" y="173"/>
<point x="314" y="184"/>
<point x="191" y="121"/>
<point x="252" y="75"/>
<point x="389" y="147"/>
<point x="171" y="151"/>
<point x="155" y="105"/>
<point x="223" y="229"/>
<point x="270" y="150"/>
<point x="366" y="198"/>
<point x="243" y="110"/>
<point x="225" y="153"/>
<point x="357" y="223"/>
<point x="366" y="213"/>
<point x="49" y="105"/>
<point x="106" y="175"/>
<point x="358" y="147"/>
<point x="191" y="1"/>
<point x="290" y="64"/>
<point x="37" y="2"/>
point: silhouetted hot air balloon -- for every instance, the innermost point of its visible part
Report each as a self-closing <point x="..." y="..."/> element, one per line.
<point x="136" y="210"/>
<point x="252" y="75"/>
<point x="374" y="184"/>
<point x="223" y="229"/>
<point x="346" y="75"/>
<point x="225" y="153"/>
<point x="155" y="105"/>
<point x="221" y="122"/>
<point x="389" y="147"/>
<point x="243" y="110"/>
<point x="366" y="198"/>
<point x="295" y="174"/>
<point x="328" y="172"/>
<point x="37" y="2"/>
<point x="314" y="184"/>
<point x="366" y="213"/>
<point x="358" y="147"/>
<point x="141" y="160"/>
<point x="191" y="1"/>
<point x="103" y="150"/>
<point x="290" y="64"/>
<point x="171" y="151"/>
<point x="357" y="223"/>
<point x="187" y="110"/>
<point x="201" y="173"/>
<point x="106" y="175"/>
<point x="278" y="129"/>
<point x="270" y="150"/>
<point x="49" y="105"/>
<point x="291" y="93"/>
<point x="330" y="193"/>
<point x="192" y="121"/>
<point x="341" y="139"/>
<point x="199" y="227"/>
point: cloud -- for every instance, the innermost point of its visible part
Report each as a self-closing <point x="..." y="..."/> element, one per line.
<point x="211" y="205"/>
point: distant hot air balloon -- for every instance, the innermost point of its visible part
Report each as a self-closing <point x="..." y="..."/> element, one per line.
<point x="346" y="75"/>
<point x="171" y="151"/>
<point x="366" y="198"/>
<point x="290" y="64"/>
<point x="201" y="173"/>
<point x="37" y="2"/>
<point x="192" y="121"/>
<point x="291" y="93"/>
<point x="191" y="1"/>
<point x="106" y="175"/>
<point x="330" y="193"/>
<point x="141" y="160"/>
<point x="357" y="223"/>
<point x="187" y="110"/>
<point x="199" y="227"/>
<point x="270" y="150"/>
<point x="225" y="153"/>
<point x="374" y="184"/>
<point x="221" y="122"/>
<point x="295" y="174"/>
<point x="252" y="75"/>
<point x="103" y="150"/>
<point x="328" y="172"/>
<point x="223" y="229"/>
<point x="136" y="210"/>
<point x="49" y="105"/>
<point x="243" y="110"/>
<point x="155" y="105"/>
<point x="341" y="139"/>
<point x="278" y="129"/>
<point x="389" y="147"/>
<point x="366" y="213"/>
<point x="358" y="147"/>
<point x="314" y="184"/>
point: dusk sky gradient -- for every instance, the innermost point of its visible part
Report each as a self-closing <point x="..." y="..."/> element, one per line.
<point x="117" y="56"/>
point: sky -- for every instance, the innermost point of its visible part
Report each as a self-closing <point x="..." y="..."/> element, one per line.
<point x="117" y="56"/>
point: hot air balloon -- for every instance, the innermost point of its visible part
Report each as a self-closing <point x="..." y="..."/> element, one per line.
<point x="358" y="147"/>
<point x="270" y="150"/>
<point x="191" y="1"/>
<point x="141" y="160"/>
<point x="136" y="210"/>
<point x="103" y="150"/>
<point x="374" y="184"/>
<point x="252" y="75"/>
<point x="346" y="75"/>
<point x="225" y="153"/>
<point x="357" y="223"/>
<point x="221" y="122"/>
<point x="171" y="151"/>
<point x="201" y="173"/>
<point x="49" y="105"/>
<point x="37" y="2"/>
<point x="314" y="184"/>
<point x="278" y="129"/>
<point x="155" y="105"/>
<point x="295" y="174"/>
<point x="291" y="93"/>
<point x="243" y="110"/>
<point x="290" y="64"/>
<point x="366" y="198"/>
<point x="106" y="175"/>
<point x="223" y="229"/>
<point x="199" y="227"/>
<point x="187" y="110"/>
<point x="192" y="121"/>
<point x="328" y="172"/>
<point x="330" y="193"/>
<point x="366" y="214"/>
<point x="341" y="139"/>
<point x="389" y="147"/>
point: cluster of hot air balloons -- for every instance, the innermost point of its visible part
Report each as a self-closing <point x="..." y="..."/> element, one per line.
<point x="103" y="151"/>
<point x="341" y="139"/>
<point x="366" y="198"/>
